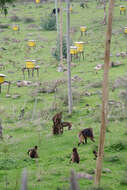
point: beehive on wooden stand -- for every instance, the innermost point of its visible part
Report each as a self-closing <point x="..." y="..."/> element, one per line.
<point x="15" y="27"/>
<point x="37" y="1"/>
<point x="30" y="64"/>
<point x="31" y="43"/>
<point x="70" y="9"/>
<point x="79" y="46"/>
<point x="83" y="30"/>
<point x="125" y="30"/>
<point x="2" y="78"/>
<point x="122" y="9"/>
<point x="73" y="50"/>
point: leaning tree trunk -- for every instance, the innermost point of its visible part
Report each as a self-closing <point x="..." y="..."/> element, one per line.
<point x="104" y="96"/>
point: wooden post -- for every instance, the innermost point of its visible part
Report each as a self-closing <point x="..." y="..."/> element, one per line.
<point x="68" y="59"/>
<point x="24" y="180"/>
<point x="105" y="20"/>
<point x="61" y="35"/>
<point x="57" y="24"/>
<point x="104" y="96"/>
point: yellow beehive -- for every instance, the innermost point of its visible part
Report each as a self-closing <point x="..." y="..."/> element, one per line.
<point x="122" y="8"/>
<point x="70" y="9"/>
<point x="15" y="27"/>
<point x="73" y="50"/>
<point x="83" y="28"/>
<point x="2" y="78"/>
<point x="30" y="64"/>
<point x="125" y="30"/>
<point x="31" y="43"/>
<point x="79" y="46"/>
<point x="37" y="1"/>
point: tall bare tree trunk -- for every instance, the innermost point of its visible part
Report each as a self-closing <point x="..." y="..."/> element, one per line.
<point x="104" y="96"/>
<point x="57" y="23"/>
<point x="61" y="34"/>
<point x="105" y="18"/>
<point x="68" y="59"/>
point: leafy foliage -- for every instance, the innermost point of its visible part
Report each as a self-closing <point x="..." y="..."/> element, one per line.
<point x="3" y="5"/>
<point x="56" y="52"/>
<point x="49" y="23"/>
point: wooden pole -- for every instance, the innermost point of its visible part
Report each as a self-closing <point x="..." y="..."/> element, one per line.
<point x="61" y="35"/>
<point x="104" y="96"/>
<point x="24" y="180"/>
<point x="68" y="59"/>
<point x="57" y="23"/>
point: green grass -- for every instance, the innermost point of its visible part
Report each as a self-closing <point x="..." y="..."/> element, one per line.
<point x="52" y="170"/>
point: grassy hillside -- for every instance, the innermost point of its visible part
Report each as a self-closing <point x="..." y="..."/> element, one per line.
<point x="52" y="169"/>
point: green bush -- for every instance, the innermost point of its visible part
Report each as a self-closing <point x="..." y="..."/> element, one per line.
<point x="56" y="52"/>
<point x="49" y="23"/>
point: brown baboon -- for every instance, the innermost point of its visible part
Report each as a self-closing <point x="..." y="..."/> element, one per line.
<point x="75" y="156"/>
<point x="66" y="124"/>
<point x="57" y="118"/>
<point x="84" y="134"/>
<point x="95" y="154"/>
<point x="57" y="129"/>
<point x="33" y="152"/>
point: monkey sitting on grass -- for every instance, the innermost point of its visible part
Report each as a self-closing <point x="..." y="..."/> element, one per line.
<point x="75" y="156"/>
<point x="33" y="152"/>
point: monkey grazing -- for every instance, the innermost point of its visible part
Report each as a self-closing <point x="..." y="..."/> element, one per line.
<point x="84" y="134"/>
<point x="67" y="124"/>
<point x="33" y="152"/>
<point x="95" y="154"/>
<point x="75" y="156"/>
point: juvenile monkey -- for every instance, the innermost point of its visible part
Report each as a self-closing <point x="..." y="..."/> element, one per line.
<point x="33" y="152"/>
<point x="75" y="156"/>
<point x="95" y="154"/>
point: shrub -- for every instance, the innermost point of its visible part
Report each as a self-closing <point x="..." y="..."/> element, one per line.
<point x="15" y="18"/>
<point x="124" y="179"/>
<point x="28" y="20"/>
<point x="118" y="146"/>
<point x="56" y="52"/>
<point x="49" y="23"/>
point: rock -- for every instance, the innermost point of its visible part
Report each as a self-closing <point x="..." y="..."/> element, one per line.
<point x="106" y="170"/>
<point x="15" y="18"/>
<point x="8" y="95"/>
<point x="5" y="26"/>
<point x="15" y="96"/>
<point x="84" y="175"/>
<point x="76" y="78"/>
<point x="23" y="83"/>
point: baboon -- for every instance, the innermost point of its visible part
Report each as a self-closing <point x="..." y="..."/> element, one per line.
<point x="95" y="154"/>
<point x="75" y="156"/>
<point x="54" y="11"/>
<point x="57" y="118"/>
<point x="33" y="152"/>
<point x="66" y="124"/>
<point x="22" y="112"/>
<point x="84" y="134"/>
<point x="82" y="5"/>
<point x="57" y="129"/>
